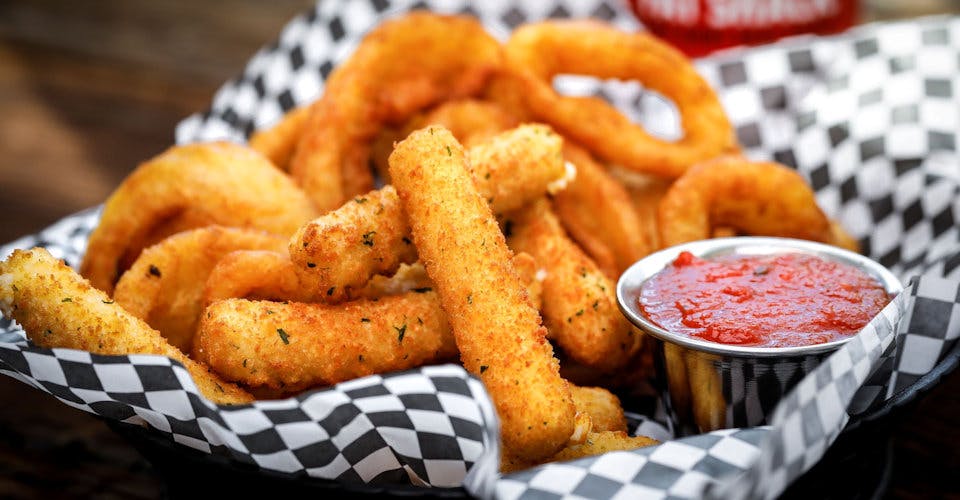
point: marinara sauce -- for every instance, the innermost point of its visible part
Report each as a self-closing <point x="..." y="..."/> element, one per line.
<point x="781" y="300"/>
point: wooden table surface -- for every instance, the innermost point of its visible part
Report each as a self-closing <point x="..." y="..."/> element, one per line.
<point x="88" y="90"/>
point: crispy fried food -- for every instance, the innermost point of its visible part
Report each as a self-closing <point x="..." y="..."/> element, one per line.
<point x="338" y="252"/>
<point x="58" y="308"/>
<point x="254" y="274"/>
<point x="598" y="213"/>
<point x="598" y="443"/>
<point x="757" y="198"/>
<point x="604" y="408"/>
<point x="234" y="339"/>
<point x="594" y="443"/>
<point x="579" y="302"/>
<point x="471" y="121"/>
<point x="497" y="329"/>
<point x="164" y="287"/>
<point x="215" y="183"/>
<point x="293" y="346"/>
<point x="278" y="142"/>
<point x="537" y="52"/>
<point x="401" y="67"/>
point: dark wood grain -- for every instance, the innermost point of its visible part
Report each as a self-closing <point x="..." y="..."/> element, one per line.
<point x="88" y="90"/>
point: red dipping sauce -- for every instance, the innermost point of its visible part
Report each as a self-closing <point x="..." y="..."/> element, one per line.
<point x="782" y="300"/>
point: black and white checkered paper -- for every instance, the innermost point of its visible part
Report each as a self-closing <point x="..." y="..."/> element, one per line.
<point x="870" y="118"/>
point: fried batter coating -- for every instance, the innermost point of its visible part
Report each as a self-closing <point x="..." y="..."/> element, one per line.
<point x="164" y="287"/>
<point x="756" y="198"/>
<point x="254" y="274"/>
<point x="216" y="183"/>
<point x="58" y="308"/>
<point x="595" y="443"/>
<point x="497" y="330"/>
<point x="278" y="142"/>
<point x="471" y="121"/>
<point x="598" y="443"/>
<point x="579" y="301"/>
<point x="293" y="346"/>
<point x="537" y="52"/>
<point x="603" y="406"/>
<point x="401" y="67"/>
<point x="597" y="212"/>
<point x="338" y="252"/>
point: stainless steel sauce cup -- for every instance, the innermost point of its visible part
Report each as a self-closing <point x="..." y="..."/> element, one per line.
<point x="708" y="385"/>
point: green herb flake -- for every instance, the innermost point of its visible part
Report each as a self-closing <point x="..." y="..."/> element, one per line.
<point x="469" y="298"/>
<point x="244" y="362"/>
<point x="48" y="332"/>
<point x="330" y="290"/>
<point x="580" y="312"/>
<point x="67" y="299"/>
<point x="283" y="336"/>
<point x="269" y="311"/>
<point x="487" y="175"/>
<point x="368" y="238"/>
<point x="483" y="368"/>
<point x="419" y="320"/>
<point x="154" y="271"/>
<point x="364" y="320"/>
<point x="424" y="289"/>
<point x="107" y="301"/>
<point x="449" y="153"/>
<point x="360" y="200"/>
<point x="311" y="265"/>
<point x="360" y="358"/>
<point x="596" y="304"/>
<point x="761" y="270"/>
<point x="401" y="332"/>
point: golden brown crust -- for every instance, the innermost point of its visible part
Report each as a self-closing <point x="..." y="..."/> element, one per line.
<point x="497" y="330"/>
<point x="58" y="308"/>
<point x="215" y="183"/>
<point x="164" y="287"/>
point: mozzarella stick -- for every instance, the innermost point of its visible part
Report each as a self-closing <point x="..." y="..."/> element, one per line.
<point x="58" y="308"/>
<point x="369" y="235"/>
<point x="293" y="346"/>
<point x="497" y="330"/>
<point x="579" y="301"/>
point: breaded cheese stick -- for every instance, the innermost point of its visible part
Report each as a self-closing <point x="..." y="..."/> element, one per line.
<point x="293" y="346"/>
<point x="579" y="301"/>
<point x="369" y="235"/>
<point x="497" y="329"/>
<point x="398" y="324"/>
<point x="58" y="308"/>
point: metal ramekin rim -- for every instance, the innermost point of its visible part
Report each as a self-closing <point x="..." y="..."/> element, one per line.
<point x="632" y="279"/>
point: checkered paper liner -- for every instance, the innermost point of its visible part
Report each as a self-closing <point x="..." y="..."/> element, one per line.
<point x="802" y="102"/>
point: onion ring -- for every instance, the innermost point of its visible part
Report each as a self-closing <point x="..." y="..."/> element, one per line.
<point x="537" y="52"/>
<point x="401" y="67"/>
<point x="757" y="198"/>
<point x="215" y="183"/>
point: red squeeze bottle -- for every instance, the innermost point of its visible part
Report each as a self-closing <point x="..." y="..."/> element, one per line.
<point x="698" y="27"/>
